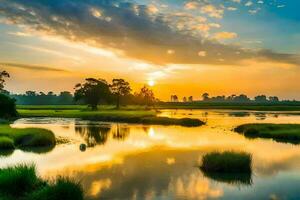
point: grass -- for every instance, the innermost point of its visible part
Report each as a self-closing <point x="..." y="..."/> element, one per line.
<point x="22" y="183"/>
<point x="227" y="162"/>
<point x="11" y="138"/>
<point x="281" y="106"/>
<point x="228" y="167"/>
<point x="279" y="132"/>
<point x="129" y="115"/>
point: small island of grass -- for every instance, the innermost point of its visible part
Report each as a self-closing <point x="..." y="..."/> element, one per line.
<point x="22" y="183"/>
<point x="13" y="138"/>
<point x="279" y="132"/>
<point x="228" y="167"/>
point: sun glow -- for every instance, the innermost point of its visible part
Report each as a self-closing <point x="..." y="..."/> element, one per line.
<point x="151" y="83"/>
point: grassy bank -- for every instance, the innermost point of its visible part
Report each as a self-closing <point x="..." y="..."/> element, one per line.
<point x="279" y="132"/>
<point x="139" y="116"/>
<point x="22" y="183"/>
<point x="232" y="106"/>
<point x="11" y="138"/>
<point x="228" y="167"/>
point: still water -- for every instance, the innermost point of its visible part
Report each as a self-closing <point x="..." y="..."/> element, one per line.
<point x="126" y="161"/>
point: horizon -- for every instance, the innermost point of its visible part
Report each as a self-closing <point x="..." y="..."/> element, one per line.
<point x="177" y="47"/>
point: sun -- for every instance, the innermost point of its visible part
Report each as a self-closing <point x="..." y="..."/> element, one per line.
<point x="151" y="83"/>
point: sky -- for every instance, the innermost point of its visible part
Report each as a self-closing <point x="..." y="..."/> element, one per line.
<point x="180" y="47"/>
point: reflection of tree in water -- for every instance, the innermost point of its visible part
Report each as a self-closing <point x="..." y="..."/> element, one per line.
<point x="120" y="132"/>
<point x="238" y="179"/>
<point x="93" y="134"/>
<point x="97" y="134"/>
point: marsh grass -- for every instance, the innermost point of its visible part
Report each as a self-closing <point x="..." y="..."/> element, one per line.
<point x="228" y="167"/>
<point x="289" y="133"/>
<point x="11" y="138"/>
<point x="6" y="143"/>
<point x="22" y="183"/>
<point x="227" y="162"/>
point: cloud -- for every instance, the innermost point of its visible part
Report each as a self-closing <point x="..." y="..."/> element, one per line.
<point x="138" y="31"/>
<point x="225" y="35"/>
<point x="31" y="67"/>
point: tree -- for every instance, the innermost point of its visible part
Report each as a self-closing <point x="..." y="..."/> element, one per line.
<point x="65" y="98"/>
<point x="205" y="96"/>
<point x="146" y="96"/>
<point x="120" y="88"/>
<point x="274" y="99"/>
<point x="3" y="75"/>
<point x="92" y="92"/>
<point x="261" y="98"/>
<point x="191" y="99"/>
<point x="7" y="107"/>
<point x="184" y="99"/>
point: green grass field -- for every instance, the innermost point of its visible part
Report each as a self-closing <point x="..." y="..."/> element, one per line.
<point x="279" y="132"/>
<point x="22" y="183"/>
<point x="11" y="138"/>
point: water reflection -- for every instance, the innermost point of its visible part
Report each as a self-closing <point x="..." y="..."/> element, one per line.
<point x="158" y="162"/>
<point x="93" y="134"/>
<point x="98" y="134"/>
<point x="238" y="179"/>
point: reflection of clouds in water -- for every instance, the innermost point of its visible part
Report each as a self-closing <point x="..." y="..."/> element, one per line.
<point x="98" y="186"/>
<point x="195" y="187"/>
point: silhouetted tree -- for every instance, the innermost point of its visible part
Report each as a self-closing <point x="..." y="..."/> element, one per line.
<point x="3" y="75"/>
<point x="174" y="98"/>
<point x="205" y="97"/>
<point x="261" y="98"/>
<point x="146" y="96"/>
<point x="191" y="99"/>
<point x="184" y="99"/>
<point x="274" y="99"/>
<point x="7" y="107"/>
<point x="120" y="88"/>
<point x="92" y="92"/>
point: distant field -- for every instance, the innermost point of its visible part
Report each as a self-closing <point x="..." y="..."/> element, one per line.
<point x="231" y="106"/>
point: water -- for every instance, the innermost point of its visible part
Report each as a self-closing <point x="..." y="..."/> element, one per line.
<point x="124" y="161"/>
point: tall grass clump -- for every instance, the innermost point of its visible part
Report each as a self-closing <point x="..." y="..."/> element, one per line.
<point x="21" y="183"/>
<point x="19" y="180"/>
<point x="227" y="162"/>
<point x="62" y="188"/>
<point x="228" y="167"/>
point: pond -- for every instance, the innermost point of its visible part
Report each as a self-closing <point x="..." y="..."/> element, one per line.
<point x="128" y="161"/>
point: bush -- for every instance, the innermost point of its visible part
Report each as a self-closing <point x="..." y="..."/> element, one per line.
<point x="7" y="107"/>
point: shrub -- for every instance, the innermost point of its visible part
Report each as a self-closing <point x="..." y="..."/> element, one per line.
<point x="7" y="107"/>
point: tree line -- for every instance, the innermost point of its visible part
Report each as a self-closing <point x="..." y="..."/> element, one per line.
<point x="242" y="98"/>
<point x="91" y="92"/>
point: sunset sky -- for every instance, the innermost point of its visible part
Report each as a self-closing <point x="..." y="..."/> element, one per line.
<point x="179" y="47"/>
